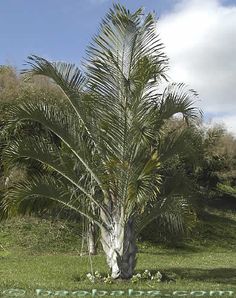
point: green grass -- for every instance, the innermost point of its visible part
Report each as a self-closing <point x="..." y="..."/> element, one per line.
<point x="39" y="254"/>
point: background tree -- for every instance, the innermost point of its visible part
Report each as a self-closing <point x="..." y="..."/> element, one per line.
<point x="216" y="173"/>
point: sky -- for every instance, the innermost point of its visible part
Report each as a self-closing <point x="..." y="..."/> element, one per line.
<point x="199" y="38"/>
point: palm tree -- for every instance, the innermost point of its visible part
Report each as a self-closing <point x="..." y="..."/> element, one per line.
<point x="110" y="132"/>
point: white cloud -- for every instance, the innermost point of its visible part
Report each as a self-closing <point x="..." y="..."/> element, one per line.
<point x="200" y="40"/>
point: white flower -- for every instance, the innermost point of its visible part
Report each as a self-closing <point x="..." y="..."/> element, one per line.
<point x="97" y="274"/>
<point x="146" y="274"/>
<point x="159" y="275"/>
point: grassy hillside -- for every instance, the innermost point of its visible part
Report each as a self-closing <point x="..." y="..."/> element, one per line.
<point x="36" y="253"/>
<point x="35" y="236"/>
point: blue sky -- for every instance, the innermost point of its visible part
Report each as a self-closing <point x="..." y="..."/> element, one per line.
<point x="56" y="29"/>
<point x="199" y="35"/>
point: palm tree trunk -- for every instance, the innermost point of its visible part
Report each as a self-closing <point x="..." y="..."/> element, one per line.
<point x="119" y="245"/>
<point x="91" y="236"/>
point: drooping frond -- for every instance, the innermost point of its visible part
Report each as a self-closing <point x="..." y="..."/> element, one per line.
<point x="52" y="157"/>
<point x="182" y="142"/>
<point x="179" y="219"/>
<point x="176" y="99"/>
<point x="33" y="194"/>
<point x="71" y="81"/>
<point x="62" y="124"/>
<point x="67" y="76"/>
<point x="174" y="204"/>
<point x="173" y="209"/>
<point x="143" y="182"/>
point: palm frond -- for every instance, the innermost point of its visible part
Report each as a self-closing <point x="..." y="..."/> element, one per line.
<point x="176" y="99"/>
<point x="173" y="209"/>
<point x="71" y="81"/>
<point x="50" y="156"/>
<point x="33" y="194"/>
<point x="173" y="205"/>
<point x="123" y="58"/>
<point x="62" y="124"/>
<point x="65" y="75"/>
<point x="183" y="142"/>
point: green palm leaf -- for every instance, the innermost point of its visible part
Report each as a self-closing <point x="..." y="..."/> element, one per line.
<point x="33" y="194"/>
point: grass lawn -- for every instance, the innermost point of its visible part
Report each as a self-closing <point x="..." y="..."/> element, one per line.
<point x="38" y="254"/>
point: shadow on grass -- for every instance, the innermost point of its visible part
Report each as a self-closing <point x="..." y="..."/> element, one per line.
<point x="216" y="275"/>
<point x="207" y="234"/>
<point x="182" y="248"/>
<point x="217" y="218"/>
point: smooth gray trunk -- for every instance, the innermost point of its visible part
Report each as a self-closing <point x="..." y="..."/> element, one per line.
<point x="91" y="236"/>
<point x="119" y="245"/>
